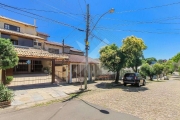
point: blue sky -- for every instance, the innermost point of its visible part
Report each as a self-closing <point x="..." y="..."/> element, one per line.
<point x="159" y="27"/>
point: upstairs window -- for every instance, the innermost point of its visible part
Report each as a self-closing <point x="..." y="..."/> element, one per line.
<point x="51" y="50"/>
<point x="39" y="44"/>
<point x="35" y="43"/>
<point x="11" y="27"/>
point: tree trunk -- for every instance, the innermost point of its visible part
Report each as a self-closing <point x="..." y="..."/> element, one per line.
<point x="136" y="70"/>
<point x="117" y="76"/>
<point x="157" y="77"/>
<point x="151" y="77"/>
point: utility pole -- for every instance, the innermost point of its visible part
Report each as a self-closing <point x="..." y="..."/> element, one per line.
<point x="63" y="46"/>
<point x="86" y="47"/>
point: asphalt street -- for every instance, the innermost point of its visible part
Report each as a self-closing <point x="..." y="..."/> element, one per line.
<point x="74" y="109"/>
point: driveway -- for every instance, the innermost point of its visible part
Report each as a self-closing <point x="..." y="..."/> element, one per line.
<point x="70" y="110"/>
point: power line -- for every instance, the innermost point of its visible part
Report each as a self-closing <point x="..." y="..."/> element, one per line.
<point x="80" y="6"/>
<point x="157" y="21"/>
<point x="57" y="9"/>
<point x="170" y="4"/>
<point x="146" y="21"/>
<point x="99" y="39"/>
<point x="137" y="31"/>
<point x="64" y="24"/>
<point x="22" y="14"/>
<point x="85" y="2"/>
<point x="61" y="12"/>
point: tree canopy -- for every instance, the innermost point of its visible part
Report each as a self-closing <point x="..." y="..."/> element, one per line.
<point x="112" y="58"/>
<point x="158" y="68"/>
<point x="133" y="49"/>
<point x="147" y="70"/>
<point x="176" y="58"/>
<point x="8" y="56"/>
<point x="150" y="60"/>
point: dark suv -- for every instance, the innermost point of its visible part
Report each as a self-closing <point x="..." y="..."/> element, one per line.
<point x="134" y="79"/>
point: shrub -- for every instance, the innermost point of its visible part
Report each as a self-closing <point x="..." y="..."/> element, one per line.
<point x="5" y="93"/>
<point x="8" y="80"/>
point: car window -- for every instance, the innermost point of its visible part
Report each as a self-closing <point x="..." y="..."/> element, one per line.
<point x="129" y="75"/>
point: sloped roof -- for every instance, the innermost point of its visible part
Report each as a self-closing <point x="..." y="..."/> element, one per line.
<point x="56" y="43"/>
<point x="16" y="21"/>
<point x="43" y="34"/>
<point x="81" y="59"/>
<point x="38" y="53"/>
<point x="73" y="49"/>
<point x="19" y="34"/>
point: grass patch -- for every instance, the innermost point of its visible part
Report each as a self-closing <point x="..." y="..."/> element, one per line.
<point x="48" y="102"/>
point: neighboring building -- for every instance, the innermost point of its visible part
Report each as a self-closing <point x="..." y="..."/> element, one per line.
<point x="29" y="45"/>
<point x="35" y="52"/>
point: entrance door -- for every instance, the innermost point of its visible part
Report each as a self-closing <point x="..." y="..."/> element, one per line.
<point x="36" y="66"/>
<point x="22" y="67"/>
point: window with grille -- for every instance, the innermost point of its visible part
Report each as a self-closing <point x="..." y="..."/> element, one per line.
<point x="51" y="50"/>
<point x="11" y="27"/>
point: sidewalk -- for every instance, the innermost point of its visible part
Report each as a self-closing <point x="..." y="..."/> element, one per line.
<point x="30" y="95"/>
<point x="42" y="92"/>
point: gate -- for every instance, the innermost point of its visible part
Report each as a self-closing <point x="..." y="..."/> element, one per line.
<point x="29" y="79"/>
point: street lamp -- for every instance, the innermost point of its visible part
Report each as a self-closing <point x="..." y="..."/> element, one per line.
<point x="86" y="41"/>
<point x="109" y="11"/>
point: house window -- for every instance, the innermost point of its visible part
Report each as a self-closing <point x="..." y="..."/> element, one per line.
<point x="6" y="26"/>
<point x="39" y="44"/>
<point x="14" y="42"/>
<point x="51" y="50"/>
<point x="11" y="27"/>
<point x="35" y="43"/>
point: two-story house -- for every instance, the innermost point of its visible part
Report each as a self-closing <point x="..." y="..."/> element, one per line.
<point x="36" y="52"/>
<point x="29" y="45"/>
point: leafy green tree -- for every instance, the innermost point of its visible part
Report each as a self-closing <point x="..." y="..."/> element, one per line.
<point x="133" y="49"/>
<point x="113" y="59"/>
<point x="161" y="61"/>
<point x="8" y="56"/>
<point x="147" y="70"/>
<point x="158" y="69"/>
<point x="170" y="66"/>
<point x="150" y="60"/>
<point x="176" y="58"/>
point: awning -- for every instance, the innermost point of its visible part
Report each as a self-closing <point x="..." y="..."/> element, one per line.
<point x="37" y="53"/>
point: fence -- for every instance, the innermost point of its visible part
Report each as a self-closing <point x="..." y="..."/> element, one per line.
<point x="28" y="79"/>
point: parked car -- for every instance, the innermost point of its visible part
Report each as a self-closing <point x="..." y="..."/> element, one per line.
<point x="134" y="79"/>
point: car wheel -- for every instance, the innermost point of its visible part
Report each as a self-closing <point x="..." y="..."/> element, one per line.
<point x="124" y="84"/>
<point x="138" y="84"/>
<point x="144" y="83"/>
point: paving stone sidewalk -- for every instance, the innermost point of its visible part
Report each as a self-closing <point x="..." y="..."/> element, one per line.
<point x="36" y="93"/>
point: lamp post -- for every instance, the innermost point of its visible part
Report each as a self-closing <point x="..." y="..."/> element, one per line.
<point x="86" y="40"/>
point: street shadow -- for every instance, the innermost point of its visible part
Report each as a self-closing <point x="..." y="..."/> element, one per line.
<point x="76" y="95"/>
<point x="128" y="88"/>
<point x="33" y="86"/>
<point x="100" y="110"/>
<point x="81" y="83"/>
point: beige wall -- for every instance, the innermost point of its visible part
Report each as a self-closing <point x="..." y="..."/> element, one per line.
<point x="60" y="73"/>
<point x="43" y="36"/>
<point x="76" y="53"/>
<point x="67" y="50"/>
<point x="47" y="46"/>
<point x="23" y="28"/>
<point x="46" y="63"/>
